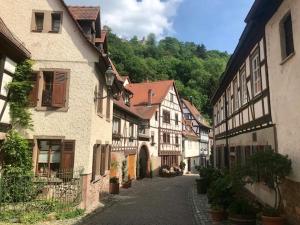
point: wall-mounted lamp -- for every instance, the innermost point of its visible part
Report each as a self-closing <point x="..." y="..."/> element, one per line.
<point x="109" y="79"/>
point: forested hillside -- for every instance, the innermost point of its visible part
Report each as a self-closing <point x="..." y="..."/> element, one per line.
<point x="195" y="69"/>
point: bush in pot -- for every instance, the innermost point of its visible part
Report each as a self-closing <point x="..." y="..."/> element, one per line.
<point x="220" y="195"/>
<point x="207" y="176"/>
<point x="242" y="212"/>
<point x="271" y="168"/>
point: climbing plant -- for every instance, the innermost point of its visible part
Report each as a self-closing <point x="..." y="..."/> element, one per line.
<point x="19" y="90"/>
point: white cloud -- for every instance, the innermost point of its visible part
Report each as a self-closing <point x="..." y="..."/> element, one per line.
<point x="130" y="17"/>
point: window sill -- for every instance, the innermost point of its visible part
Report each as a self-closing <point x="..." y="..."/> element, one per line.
<point x="42" y="108"/>
<point x="100" y="115"/>
<point x="287" y="58"/>
<point x="37" y="31"/>
<point x="53" y="32"/>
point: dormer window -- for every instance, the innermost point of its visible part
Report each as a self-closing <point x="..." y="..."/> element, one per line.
<point x="56" y="22"/>
<point x="126" y="100"/>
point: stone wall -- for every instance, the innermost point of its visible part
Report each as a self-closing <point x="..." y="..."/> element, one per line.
<point x="291" y="200"/>
<point x="93" y="191"/>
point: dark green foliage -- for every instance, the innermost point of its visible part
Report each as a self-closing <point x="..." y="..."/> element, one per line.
<point x="17" y="153"/>
<point x="195" y="69"/>
<point x="17" y="177"/>
<point x="241" y="206"/>
<point x="19" y="90"/>
<point x="210" y="174"/>
<point x="271" y="168"/>
<point x="220" y="192"/>
<point x="69" y="214"/>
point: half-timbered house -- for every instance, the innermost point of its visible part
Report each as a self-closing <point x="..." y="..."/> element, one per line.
<point x="72" y="95"/>
<point x="12" y="52"/>
<point x="256" y="103"/>
<point x="201" y="128"/>
<point x="160" y="127"/>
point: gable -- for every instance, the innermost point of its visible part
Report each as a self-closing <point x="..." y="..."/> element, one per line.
<point x="69" y="42"/>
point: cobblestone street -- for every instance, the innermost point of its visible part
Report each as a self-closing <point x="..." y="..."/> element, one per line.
<point x="157" y="201"/>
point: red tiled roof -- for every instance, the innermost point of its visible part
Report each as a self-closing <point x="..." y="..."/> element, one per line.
<point x="139" y="100"/>
<point x="8" y="35"/>
<point x="84" y="12"/>
<point x="140" y="90"/>
<point x="194" y="111"/>
<point x="189" y="132"/>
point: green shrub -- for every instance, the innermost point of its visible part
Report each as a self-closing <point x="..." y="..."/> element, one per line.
<point x="209" y="173"/>
<point x="32" y="217"/>
<point x="220" y="192"/>
<point x="69" y="214"/>
<point x="241" y="206"/>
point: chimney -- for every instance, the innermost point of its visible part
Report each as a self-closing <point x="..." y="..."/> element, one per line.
<point x="150" y="95"/>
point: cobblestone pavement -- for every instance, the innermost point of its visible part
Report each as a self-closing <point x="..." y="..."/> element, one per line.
<point x="157" y="201"/>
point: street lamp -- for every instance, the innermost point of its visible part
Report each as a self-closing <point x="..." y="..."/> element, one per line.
<point x="109" y="79"/>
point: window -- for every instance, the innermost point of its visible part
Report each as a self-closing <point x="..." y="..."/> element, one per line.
<point x="229" y="107"/>
<point x="287" y="40"/>
<point x="177" y="140"/>
<point x="39" y="22"/>
<point x="54" y="89"/>
<point x="131" y="130"/>
<point x="156" y="116"/>
<point x="116" y="125"/>
<point x="243" y="87"/>
<point x="235" y="94"/>
<point x="256" y="76"/>
<point x="56" y="22"/>
<point x="176" y="119"/>
<point x="166" y="116"/>
<point x="101" y="160"/>
<point x="166" y="138"/>
<point x="54" y="155"/>
<point x="171" y="97"/>
<point x="152" y="137"/>
<point x="126" y="99"/>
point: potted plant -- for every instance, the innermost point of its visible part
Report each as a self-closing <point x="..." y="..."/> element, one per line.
<point x="207" y="176"/>
<point x="220" y="195"/>
<point x="182" y="166"/>
<point x="271" y="168"/>
<point x="126" y="182"/>
<point x="242" y="212"/>
<point x="114" y="185"/>
<point x="114" y="166"/>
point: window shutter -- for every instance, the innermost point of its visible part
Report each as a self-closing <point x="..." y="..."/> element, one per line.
<point x="103" y="157"/>
<point x="67" y="156"/>
<point x="33" y="94"/>
<point x="59" y="89"/>
<point x="100" y="98"/>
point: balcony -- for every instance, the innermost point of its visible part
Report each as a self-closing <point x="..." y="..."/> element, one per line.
<point x="143" y="133"/>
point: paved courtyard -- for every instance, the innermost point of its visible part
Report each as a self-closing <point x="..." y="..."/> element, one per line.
<point x="157" y="201"/>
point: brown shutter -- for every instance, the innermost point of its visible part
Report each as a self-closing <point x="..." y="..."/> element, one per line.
<point x="103" y="160"/>
<point x="33" y="94"/>
<point x="108" y="108"/>
<point x="67" y="156"/>
<point x="59" y="89"/>
<point x="100" y="98"/>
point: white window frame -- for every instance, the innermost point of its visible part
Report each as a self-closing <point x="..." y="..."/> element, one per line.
<point x="243" y="82"/>
<point x="256" y="75"/>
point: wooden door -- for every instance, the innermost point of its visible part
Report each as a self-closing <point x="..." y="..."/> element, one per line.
<point x="131" y="166"/>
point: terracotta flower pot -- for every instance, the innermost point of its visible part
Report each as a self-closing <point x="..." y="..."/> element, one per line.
<point x="217" y="215"/>
<point x="114" y="188"/>
<point x="242" y="220"/>
<point x="266" y="220"/>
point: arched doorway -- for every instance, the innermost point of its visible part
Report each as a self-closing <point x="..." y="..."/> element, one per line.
<point x="144" y="162"/>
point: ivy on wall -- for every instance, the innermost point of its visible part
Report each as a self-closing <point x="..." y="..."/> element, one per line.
<point x="19" y="90"/>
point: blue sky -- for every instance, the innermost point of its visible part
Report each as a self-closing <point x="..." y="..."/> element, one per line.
<point x="216" y="23"/>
